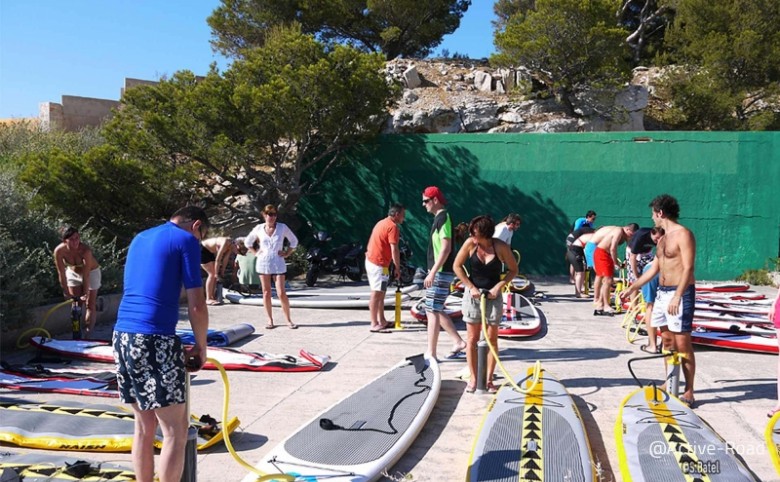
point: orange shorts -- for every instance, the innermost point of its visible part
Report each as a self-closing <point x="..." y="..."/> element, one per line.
<point x="605" y="266"/>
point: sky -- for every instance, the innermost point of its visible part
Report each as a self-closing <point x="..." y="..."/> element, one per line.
<point x="50" y="48"/>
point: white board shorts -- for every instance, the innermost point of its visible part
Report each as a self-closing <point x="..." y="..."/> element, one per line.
<point x="74" y="279"/>
<point x="378" y="276"/>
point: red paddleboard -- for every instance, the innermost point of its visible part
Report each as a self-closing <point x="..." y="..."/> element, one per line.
<point x="723" y="287"/>
<point x="735" y="341"/>
<point x="764" y="329"/>
<point x="521" y="318"/>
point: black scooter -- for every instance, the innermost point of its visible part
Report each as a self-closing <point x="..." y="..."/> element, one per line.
<point x="345" y="261"/>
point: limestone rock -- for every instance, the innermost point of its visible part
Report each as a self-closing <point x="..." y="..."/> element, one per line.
<point x="412" y="77"/>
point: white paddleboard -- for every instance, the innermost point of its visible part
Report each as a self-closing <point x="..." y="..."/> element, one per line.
<point x="301" y="299"/>
<point x="365" y="433"/>
<point x="660" y="438"/>
<point x="534" y="436"/>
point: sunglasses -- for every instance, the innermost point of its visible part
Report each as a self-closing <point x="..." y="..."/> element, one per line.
<point x="270" y="214"/>
<point x="427" y="200"/>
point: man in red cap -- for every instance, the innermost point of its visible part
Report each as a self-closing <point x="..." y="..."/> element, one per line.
<point x="440" y="272"/>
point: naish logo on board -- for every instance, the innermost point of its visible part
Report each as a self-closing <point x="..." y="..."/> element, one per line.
<point x="83" y="446"/>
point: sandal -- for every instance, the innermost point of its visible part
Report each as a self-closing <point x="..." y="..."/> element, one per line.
<point x="646" y="349"/>
<point x="491" y="388"/>
<point x="292" y="326"/>
<point x="470" y="389"/>
<point x="270" y="326"/>
<point x="772" y="412"/>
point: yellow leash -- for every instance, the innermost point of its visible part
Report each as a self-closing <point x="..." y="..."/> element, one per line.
<point x="261" y="476"/>
<point x="537" y="370"/>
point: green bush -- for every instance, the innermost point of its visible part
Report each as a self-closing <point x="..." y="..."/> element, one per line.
<point x="757" y="277"/>
<point x="27" y="240"/>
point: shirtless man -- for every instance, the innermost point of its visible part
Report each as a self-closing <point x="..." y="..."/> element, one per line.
<point x="214" y="257"/>
<point x="79" y="273"/>
<point x="601" y="253"/>
<point x="675" y="301"/>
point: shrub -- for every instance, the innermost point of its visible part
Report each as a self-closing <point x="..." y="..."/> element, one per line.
<point x="27" y="239"/>
<point x="757" y="277"/>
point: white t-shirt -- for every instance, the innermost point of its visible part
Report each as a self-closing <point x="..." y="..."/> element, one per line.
<point x="503" y="233"/>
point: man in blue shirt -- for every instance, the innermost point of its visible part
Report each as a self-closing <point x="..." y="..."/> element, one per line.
<point x="588" y="220"/>
<point x="150" y="359"/>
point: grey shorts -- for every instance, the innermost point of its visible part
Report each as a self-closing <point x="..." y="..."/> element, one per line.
<point x="472" y="309"/>
<point x="149" y="369"/>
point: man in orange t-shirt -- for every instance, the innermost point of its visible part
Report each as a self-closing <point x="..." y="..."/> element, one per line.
<point x="382" y="249"/>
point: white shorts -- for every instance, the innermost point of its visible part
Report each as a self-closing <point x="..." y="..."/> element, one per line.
<point x="74" y="279"/>
<point x="378" y="276"/>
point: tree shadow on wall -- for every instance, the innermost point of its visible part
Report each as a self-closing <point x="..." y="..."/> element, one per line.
<point x="356" y="194"/>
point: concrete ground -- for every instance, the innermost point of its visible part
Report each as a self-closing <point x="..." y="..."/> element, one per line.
<point x="588" y="354"/>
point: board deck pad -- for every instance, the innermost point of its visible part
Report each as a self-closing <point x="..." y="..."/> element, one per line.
<point x="66" y="425"/>
<point x="660" y="438"/>
<point x="373" y="427"/>
<point x="532" y="437"/>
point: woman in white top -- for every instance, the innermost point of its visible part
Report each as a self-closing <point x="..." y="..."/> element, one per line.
<point x="266" y="242"/>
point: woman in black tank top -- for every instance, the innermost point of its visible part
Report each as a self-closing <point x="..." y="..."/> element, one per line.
<point x="485" y="255"/>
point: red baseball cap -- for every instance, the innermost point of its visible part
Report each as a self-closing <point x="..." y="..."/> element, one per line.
<point x="434" y="192"/>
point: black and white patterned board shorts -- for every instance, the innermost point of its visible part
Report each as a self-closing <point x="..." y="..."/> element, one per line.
<point x="149" y="369"/>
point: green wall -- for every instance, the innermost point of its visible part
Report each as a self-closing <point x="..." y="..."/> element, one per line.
<point x="725" y="183"/>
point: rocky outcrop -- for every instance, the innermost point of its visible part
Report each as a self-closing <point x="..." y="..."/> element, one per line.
<point x="454" y="96"/>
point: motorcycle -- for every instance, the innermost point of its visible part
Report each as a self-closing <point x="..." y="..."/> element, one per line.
<point x="345" y="261"/>
<point x="407" y="270"/>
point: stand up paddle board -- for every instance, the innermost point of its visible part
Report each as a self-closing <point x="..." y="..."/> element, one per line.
<point x="364" y="434"/>
<point x="37" y="467"/>
<point x="660" y="438"/>
<point x="230" y="358"/>
<point x="452" y="306"/>
<point x="724" y="316"/>
<point x="521" y="318"/>
<point x="772" y="437"/>
<point x="65" y="425"/>
<point x="736" y="307"/>
<point x="54" y="384"/>
<point x="301" y="299"/>
<point x="723" y="287"/>
<point x="735" y="341"/>
<point x="535" y="436"/>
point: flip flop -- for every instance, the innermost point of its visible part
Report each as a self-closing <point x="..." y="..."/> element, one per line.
<point x="491" y="388"/>
<point x="646" y="349"/>
<point x="772" y="412"/>
<point x="381" y="330"/>
<point x="270" y="327"/>
<point x="292" y="326"/>
<point x="470" y="389"/>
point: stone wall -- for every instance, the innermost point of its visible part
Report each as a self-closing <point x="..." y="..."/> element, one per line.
<point x="75" y="112"/>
